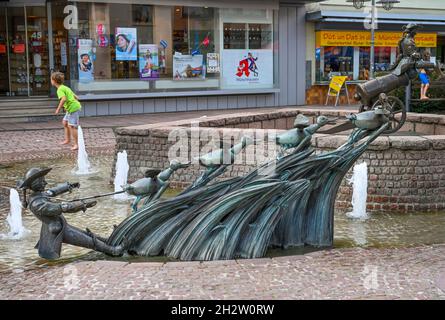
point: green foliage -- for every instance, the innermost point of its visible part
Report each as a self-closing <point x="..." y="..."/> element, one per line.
<point x="424" y="106"/>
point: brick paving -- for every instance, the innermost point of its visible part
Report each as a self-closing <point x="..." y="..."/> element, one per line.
<point x="408" y="273"/>
<point x="40" y="140"/>
<point x="138" y="119"/>
<point x="356" y="273"/>
<point x="44" y="144"/>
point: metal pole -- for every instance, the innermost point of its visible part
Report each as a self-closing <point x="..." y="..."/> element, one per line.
<point x="372" y="58"/>
<point x="408" y="97"/>
<point x="8" y="55"/>
<point x="27" y="50"/>
<point x="50" y="36"/>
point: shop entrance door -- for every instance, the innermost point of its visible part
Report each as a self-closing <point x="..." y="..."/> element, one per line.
<point x="23" y="35"/>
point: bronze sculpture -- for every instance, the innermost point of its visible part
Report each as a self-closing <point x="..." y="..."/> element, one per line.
<point x="153" y="185"/>
<point x="300" y="137"/>
<point x="217" y="161"/>
<point x="55" y="229"/>
<point x="406" y="68"/>
<point x="243" y="216"/>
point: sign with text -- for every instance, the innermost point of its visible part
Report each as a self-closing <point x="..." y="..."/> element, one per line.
<point x="247" y="68"/>
<point x="363" y="39"/>
<point x="148" y="61"/>
<point x="188" y="67"/>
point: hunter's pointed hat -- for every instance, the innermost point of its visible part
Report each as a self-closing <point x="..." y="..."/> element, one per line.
<point x="411" y="27"/>
<point x="32" y="175"/>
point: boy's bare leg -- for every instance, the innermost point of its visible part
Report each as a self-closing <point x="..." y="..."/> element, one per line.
<point x="75" y="137"/>
<point x="66" y="130"/>
<point x="425" y="90"/>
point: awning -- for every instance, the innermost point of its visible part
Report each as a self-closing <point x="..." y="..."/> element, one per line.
<point x="383" y="17"/>
<point x="257" y="4"/>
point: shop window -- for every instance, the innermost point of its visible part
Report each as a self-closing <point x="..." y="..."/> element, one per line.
<point x="193" y="41"/>
<point x="260" y="36"/>
<point x="235" y="35"/>
<point x="142" y="48"/>
<point x="382" y="58"/>
<point x="247" y="36"/>
<point x="335" y="61"/>
<point x="193" y="30"/>
<point x="248" y="57"/>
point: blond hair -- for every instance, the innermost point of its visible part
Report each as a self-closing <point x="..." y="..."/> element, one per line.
<point x="58" y="77"/>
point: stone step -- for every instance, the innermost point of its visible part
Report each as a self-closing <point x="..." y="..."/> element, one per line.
<point x="26" y="102"/>
<point x="29" y="118"/>
<point x="27" y="111"/>
<point x="27" y="106"/>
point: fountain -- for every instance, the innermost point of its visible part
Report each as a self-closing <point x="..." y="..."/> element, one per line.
<point x="241" y="217"/>
<point x="83" y="164"/>
<point x="359" y="181"/>
<point x="120" y="179"/>
<point x="14" y="219"/>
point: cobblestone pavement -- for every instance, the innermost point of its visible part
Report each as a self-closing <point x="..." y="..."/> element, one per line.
<point x="408" y="273"/>
<point x="44" y="144"/>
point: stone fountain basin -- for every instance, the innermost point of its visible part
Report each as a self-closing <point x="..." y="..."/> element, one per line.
<point x="406" y="169"/>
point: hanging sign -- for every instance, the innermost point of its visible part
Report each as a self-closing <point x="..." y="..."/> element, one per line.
<point x="126" y="44"/>
<point x="85" y="57"/>
<point x="363" y="39"/>
<point x="148" y="61"/>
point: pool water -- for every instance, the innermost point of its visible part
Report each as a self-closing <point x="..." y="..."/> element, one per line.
<point x="380" y="230"/>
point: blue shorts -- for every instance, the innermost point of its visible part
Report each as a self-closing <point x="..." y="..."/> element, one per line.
<point x="424" y="78"/>
<point x="72" y="119"/>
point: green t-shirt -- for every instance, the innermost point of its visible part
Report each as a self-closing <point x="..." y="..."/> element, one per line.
<point x="71" y="104"/>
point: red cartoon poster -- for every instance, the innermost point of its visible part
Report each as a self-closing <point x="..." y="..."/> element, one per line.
<point x="247" y="68"/>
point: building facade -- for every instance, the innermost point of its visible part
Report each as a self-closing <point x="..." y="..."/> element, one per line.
<point x="140" y="56"/>
<point x="338" y="41"/>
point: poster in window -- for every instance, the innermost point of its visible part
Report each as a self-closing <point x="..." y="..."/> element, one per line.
<point x="212" y="63"/>
<point x="85" y="62"/>
<point x="63" y="54"/>
<point x="247" y="68"/>
<point x="148" y="61"/>
<point x="126" y="44"/>
<point x="18" y="48"/>
<point x="188" y="67"/>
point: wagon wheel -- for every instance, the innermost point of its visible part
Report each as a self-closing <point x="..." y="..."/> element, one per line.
<point x="397" y="115"/>
<point x="364" y="108"/>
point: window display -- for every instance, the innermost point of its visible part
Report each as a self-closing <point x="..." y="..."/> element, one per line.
<point x="147" y="48"/>
<point x="336" y="61"/>
<point x="348" y="52"/>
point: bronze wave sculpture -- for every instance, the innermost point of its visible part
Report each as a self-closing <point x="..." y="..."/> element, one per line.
<point x="288" y="201"/>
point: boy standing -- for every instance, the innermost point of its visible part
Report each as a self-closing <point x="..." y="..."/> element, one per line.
<point x="71" y="104"/>
<point x="424" y="79"/>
